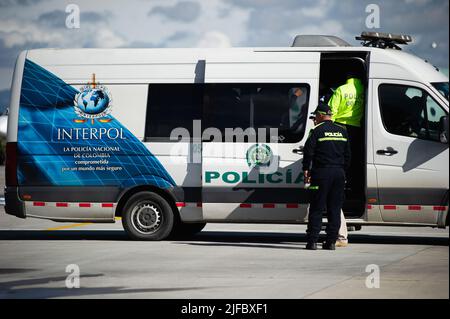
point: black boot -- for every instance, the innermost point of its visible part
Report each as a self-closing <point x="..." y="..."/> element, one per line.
<point x="329" y="245"/>
<point x="311" y="246"/>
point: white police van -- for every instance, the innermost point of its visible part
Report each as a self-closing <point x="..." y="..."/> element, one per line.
<point x="171" y="139"/>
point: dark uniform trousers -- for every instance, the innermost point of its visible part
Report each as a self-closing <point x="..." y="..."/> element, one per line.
<point x="326" y="194"/>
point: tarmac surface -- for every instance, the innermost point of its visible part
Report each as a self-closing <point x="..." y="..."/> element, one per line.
<point x="223" y="261"/>
<point x="229" y="261"/>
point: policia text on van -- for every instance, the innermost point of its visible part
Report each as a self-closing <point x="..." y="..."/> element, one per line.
<point x="141" y="95"/>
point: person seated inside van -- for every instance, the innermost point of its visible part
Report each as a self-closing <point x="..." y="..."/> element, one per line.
<point x="406" y="118"/>
<point x="413" y="121"/>
<point x="297" y="111"/>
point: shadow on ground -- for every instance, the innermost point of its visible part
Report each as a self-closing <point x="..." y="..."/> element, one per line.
<point x="219" y="237"/>
<point x="21" y="288"/>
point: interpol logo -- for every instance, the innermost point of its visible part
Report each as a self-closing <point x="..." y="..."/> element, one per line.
<point x="259" y="155"/>
<point x="93" y="101"/>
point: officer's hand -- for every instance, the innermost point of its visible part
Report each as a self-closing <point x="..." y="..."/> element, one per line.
<point x="307" y="177"/>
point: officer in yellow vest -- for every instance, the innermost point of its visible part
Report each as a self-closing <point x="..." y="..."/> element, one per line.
<point x="347" y="103"/>
<point x="347" y="106"/>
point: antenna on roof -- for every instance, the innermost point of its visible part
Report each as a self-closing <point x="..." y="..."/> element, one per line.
<point x="383" y="40"/>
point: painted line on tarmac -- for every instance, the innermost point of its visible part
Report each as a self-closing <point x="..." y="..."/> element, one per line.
<point x="69" y="226"/>
<point x="76" y="225"/>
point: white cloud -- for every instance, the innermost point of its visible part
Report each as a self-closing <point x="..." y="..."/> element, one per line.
<point x="318" y="11"/>
<point x="214" y="39"/>
<point x="106" y="38"/>
<point x="19" y="33"/>
<point x="185" y="11"/>
<point x="15" y="33"/>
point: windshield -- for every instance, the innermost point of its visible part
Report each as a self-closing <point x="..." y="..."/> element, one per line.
<point x="442" y="87"/>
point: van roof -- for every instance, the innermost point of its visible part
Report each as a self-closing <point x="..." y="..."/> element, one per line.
<point x="384" y="63"/>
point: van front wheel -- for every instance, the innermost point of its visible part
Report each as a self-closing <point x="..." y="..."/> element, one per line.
<point x="147" y="216"/>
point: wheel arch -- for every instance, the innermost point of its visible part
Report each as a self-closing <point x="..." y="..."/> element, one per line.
<point x="164" y="193"/>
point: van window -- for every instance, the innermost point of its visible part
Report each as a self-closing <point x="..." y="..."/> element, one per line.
<point x="259" y="106"/>
<point x="409" y="111"/>
<point x="442" y="88"/>
<point x="170" y="106"/>
<point x="434" y="113"/>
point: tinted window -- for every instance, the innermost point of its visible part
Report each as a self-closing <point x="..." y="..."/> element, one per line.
<point x="409" y="111"/>
<point x="171" y="106"/>
<point x="259" y="106"/>
<point x="227" y="106"/>
<point x="442" y="87"/>
<point x="434" y="114"/>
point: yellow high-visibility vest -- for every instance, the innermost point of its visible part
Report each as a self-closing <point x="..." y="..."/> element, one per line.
<point x="347" y="103"/>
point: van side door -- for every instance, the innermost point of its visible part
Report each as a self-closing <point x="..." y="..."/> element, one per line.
<point x="257" y="176"/>
<point x="410" y="160"/>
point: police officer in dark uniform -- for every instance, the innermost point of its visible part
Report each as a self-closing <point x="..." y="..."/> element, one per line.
<point x="326" y="157"/>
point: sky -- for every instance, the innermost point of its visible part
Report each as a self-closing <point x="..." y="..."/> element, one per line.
<point x="27" y="24"/>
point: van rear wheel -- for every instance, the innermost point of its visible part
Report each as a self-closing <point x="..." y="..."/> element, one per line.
<point x="147" y="216"/>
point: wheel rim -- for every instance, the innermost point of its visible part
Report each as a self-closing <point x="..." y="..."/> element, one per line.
<point x="146" y="217"/>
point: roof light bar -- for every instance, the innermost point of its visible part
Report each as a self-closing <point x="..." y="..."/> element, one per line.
<point x="383" y="40"/>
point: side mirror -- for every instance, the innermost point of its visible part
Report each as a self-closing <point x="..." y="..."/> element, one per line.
<point x="443" y="129"/>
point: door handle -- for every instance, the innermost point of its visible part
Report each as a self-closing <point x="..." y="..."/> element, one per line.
<point x="298" y="151"/>
<point x="388" y="151"/>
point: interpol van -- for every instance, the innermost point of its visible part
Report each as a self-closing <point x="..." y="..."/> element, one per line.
<point x="172" y="139"/>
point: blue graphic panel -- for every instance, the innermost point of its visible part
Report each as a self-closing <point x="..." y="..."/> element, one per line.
<point x="58" y="148"/>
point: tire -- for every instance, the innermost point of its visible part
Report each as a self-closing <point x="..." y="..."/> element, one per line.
<point x="186" y="230"/>
<point x="147" y="216"/>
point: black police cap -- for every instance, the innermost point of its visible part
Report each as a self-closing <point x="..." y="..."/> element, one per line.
<point x="323" y="108"/>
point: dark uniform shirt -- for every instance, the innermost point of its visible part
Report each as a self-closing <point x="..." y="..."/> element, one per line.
<point x="327" y="146"/>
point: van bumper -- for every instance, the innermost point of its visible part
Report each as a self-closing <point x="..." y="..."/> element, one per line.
<point x="13" y="205"/>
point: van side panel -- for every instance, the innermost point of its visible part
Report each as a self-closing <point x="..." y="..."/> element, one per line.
<point x="70" y="146"/>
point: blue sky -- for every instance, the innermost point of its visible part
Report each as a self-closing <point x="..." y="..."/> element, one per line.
<point x="26" y="24"/>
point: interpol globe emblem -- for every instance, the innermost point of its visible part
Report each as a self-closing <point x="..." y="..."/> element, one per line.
<point x="93" y="101"/>
<point x="259" y="155"/>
